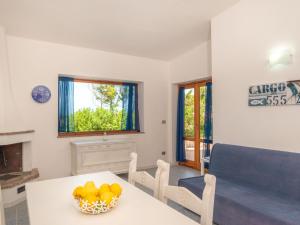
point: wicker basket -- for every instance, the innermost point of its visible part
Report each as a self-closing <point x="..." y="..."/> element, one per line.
<point x="96" y="207"/>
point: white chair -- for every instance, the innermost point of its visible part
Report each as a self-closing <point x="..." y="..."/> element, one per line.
<point x="163" y="171"/>
<point x="2" y="215"/>
<point x="187" y="199"/>
<point x="145" y="179"/>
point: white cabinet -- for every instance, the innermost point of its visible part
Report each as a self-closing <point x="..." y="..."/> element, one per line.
<point x="101" y="155"/>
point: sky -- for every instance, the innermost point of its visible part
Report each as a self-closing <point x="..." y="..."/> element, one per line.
<point x="84" y="97"/>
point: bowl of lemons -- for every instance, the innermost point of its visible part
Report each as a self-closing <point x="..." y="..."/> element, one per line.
<point x="93" y="200"/>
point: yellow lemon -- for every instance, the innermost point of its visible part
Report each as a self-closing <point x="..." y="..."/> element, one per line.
<point x="116" y="189"/>
<point x="90" y="188"/>
<point x="83" y="193"/>
<point x="90" y="184"/>
<point x="91" y="198"/>
<point x="75" y="192"/>
<point x="79" y="192"/>
<point x="107" y="197"/>
<point x="104" y="188"/>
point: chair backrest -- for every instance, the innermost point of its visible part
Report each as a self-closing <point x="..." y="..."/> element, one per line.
<point x="2" y="216"/>
<point x="187" y="199"/>
<point x="163" y="173"/>
<point x="142" y="177"/>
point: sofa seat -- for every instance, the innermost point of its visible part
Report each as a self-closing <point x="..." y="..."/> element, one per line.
<point x="237" y="204"/>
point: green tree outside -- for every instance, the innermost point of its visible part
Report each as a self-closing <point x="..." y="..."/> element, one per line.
<point x="189" y="112"/>
<point x="108" y="94"/>
<point x="97" y="120"/>
<point x="107" y="117"/>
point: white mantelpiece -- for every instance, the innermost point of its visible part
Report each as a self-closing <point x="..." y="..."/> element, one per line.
<point x="15" y="137"/>
<point x="101" y="155"/>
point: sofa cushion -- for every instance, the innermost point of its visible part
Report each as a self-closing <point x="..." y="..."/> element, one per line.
<point x="241" y="205"/>
<point x="271" y="170"/>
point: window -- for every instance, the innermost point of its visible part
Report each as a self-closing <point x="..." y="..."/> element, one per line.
<point x="88" y="107"/>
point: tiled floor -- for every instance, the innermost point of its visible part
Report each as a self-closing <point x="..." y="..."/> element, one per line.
<point x="18" y="215"/>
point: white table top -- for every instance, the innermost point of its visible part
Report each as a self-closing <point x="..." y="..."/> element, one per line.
<point x="50" y="202"/>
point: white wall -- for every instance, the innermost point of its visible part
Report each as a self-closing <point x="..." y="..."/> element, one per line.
<point x="35" y="62"/>
<point x="191" y="66"/>
<point x="242" y="38"/>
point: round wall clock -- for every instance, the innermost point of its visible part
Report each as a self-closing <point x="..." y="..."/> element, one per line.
<point x="41" y="94"/>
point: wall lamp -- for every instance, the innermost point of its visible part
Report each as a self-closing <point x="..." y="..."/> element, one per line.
<point x="280" y="56"/>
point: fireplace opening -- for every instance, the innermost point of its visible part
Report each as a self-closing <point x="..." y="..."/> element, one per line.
<point x="10" y="161"/>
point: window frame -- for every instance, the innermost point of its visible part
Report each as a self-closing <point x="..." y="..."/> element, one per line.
<point x="99" y="133"/>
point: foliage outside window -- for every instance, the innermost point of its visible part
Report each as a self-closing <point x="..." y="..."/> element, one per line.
<point x="98" y="106"/>
<point x="189" y="112"/>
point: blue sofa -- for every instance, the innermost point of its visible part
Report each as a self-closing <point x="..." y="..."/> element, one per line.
<point x="254" y="186"/>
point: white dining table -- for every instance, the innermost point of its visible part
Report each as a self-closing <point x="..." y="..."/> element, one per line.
<point x="50" y="202"/>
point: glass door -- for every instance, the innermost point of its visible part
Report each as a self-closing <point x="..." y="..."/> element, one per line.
<point x="194" y="120"/>
<point x="189" y="125"/>
<point x="202" y="104"/>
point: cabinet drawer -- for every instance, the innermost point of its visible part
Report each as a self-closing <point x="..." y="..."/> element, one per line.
<point x="100" y="157"/>
<point x="106" y="147"/>
<point x="116" y="146"/>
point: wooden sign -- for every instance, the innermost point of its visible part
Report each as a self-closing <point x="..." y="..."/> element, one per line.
<point x="276" y="94"/>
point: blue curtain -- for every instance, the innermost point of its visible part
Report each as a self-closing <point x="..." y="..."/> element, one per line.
<point x="65" y="104"/>
<point x="180" y="152"/>
<point x="136" y="109"/>
<point x="130" y="113"/>
<point x="208" y="121"/>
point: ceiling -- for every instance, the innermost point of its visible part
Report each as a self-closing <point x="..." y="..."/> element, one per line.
<point x="160" y="29"/>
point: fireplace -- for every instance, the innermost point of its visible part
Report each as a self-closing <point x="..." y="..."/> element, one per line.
<point x="15" y="170"/>
<point x="10" y="160"/>
<point x="15" y="138"/>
